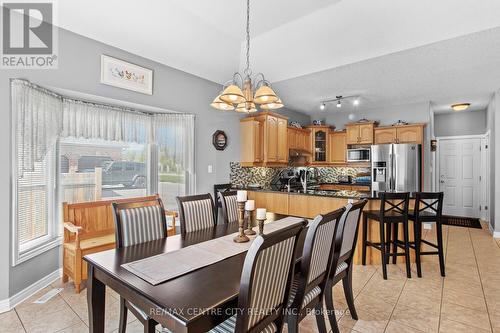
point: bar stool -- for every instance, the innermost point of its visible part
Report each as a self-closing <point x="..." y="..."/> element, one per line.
<point x="428" y="208"/>
<point x="393" y="210"/>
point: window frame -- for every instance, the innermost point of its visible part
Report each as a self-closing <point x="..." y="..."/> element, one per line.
<point x="53" y="238"/>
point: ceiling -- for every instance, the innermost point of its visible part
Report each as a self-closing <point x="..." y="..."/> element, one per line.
<point x="388" y="51"/>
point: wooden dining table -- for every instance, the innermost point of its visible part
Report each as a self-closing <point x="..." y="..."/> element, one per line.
<point x="194" y="302"/>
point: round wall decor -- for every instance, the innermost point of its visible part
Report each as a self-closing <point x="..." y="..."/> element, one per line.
<point x="219" y="140"/>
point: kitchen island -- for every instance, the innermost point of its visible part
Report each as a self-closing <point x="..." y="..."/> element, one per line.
<point x="312" y="203"/>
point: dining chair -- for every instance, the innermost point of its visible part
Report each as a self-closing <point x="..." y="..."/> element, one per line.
<point x="342" y="263"/>
<point x="265" y="283"/>
<point x="196" y="212"/>
<point x="428" y="209"/>
<point x="310" y="282"/>
<point x="217" y="189"/>
<point x="229" y="206"/>
<point x="393" y="211"/>
<point x="136" y="223"/>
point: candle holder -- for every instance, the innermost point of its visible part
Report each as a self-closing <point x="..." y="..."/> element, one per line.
<point x="249" y="231"/>
<point x="261" y="226"/>
<point x="241" y="238"/>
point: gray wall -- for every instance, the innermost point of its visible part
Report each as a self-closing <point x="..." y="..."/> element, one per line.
<point x="412" y="113"/>
<point x="302" y="118"/>
<point x="460" y="123"/>
<point x="79" y="70"/>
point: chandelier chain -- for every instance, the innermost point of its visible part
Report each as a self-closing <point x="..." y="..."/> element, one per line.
<point x="248" y="71"/>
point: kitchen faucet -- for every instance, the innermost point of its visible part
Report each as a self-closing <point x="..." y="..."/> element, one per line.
<point x="303" y="179"/>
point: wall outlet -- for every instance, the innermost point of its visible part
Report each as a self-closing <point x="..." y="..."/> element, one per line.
<point x="210" y="168"/>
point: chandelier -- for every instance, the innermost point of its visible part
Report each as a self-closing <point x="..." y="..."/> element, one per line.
<point x="240" y="94"/>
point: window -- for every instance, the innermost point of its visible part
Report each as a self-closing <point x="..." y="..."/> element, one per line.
<point x="101" y="170"/>
<point x="67" y="150"/>
<point x="34" y="200"/>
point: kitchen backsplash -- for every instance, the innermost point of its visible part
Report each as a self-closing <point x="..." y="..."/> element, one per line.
<point x="244" y="176"/>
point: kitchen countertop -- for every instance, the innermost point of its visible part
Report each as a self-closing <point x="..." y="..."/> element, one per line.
<point x="320" y="193"/>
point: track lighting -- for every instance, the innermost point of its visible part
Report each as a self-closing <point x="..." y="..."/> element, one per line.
<point x="339" y="99"/>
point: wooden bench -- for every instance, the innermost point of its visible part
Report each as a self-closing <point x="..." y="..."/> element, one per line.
<point x="89" y="227"/>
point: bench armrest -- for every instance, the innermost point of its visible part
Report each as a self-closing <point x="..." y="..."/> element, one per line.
<point x="72" y="228"/>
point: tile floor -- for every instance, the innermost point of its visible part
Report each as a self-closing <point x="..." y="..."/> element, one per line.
<point x="467" y="300"/>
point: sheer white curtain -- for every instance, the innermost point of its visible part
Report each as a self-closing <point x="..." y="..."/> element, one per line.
<point x="97" y="121"/>
<point x="174" y="135"/>
<point x="37" y="114"/>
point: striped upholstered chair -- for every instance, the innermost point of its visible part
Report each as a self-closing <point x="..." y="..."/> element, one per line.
<point x="229" y="206"/>
<point x="196" y="212"/>
<point x="265" y="283"/>
<point x="135" y="223"/>
<point x="345" y="244"/>
<point x="310" y="283"/>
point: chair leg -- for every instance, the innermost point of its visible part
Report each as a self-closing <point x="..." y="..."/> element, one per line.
<point x="365" y="226"/>
<point x="320" y="319"/>
<point x="150" y="326"/>
<point x="407" y="248"/>
<point x="382" y="249"/>
<point x="292" y="324"/>
<point x="417" y="231"/>
<point x="123" y="316"/>
<point x="439" y="231"/>
<point x="395" y="237"/>
<point x="388" y="228"/>
<point x="330" y="308"/>
<point x="349" y="297"/>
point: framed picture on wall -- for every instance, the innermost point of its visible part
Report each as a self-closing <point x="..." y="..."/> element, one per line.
<point x="123" y="74"/>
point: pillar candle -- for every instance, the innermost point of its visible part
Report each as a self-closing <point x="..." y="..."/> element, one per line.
<point x="250" y="205"/>
<point x="241" y="196"/>
<point x="261" y="213"/>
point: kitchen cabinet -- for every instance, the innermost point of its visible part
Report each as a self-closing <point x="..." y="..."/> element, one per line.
<point x="299" y="138"/>
<point x="413" y="133"/>
<point x="319" y="143"/>
<point x="337" y="147"/>
<point x="345" y="187"/>
<point x="264" y="139"/>
<point x="359" y="133"/>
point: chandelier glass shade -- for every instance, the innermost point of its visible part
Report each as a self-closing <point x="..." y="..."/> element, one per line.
<point x="241" y="94"/>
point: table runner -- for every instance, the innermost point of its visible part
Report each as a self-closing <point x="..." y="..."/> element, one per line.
<point x="167" y="266"/>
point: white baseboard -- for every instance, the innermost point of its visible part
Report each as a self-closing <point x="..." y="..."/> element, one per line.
<point x="495" y="234"/>
<point x="9" y="303"/>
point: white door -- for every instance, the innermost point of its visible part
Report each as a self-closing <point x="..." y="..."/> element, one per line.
<point x="459" y="171"/>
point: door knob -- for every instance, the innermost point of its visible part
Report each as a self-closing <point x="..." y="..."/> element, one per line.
<point x="441" y="181"/>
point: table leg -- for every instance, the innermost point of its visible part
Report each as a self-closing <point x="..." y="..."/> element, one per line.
<point x="96" y="300"/>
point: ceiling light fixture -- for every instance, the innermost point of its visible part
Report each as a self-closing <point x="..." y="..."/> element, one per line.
<point x="339" y="99"/>
<point x="460" y="106"/>
<point x="240" y="93"/>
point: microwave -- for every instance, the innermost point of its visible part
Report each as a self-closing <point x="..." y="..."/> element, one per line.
<point x="358" y="155"/>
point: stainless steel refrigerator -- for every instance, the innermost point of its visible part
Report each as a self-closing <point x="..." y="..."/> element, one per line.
<point x="396" y="168"/>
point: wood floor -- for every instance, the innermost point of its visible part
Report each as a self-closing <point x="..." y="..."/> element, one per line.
<point x="467" y="300"/>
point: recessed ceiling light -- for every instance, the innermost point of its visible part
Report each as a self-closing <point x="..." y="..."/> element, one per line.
<point x="460" y="106"/>
<point x="322" y="106"/>
<point x="355" y="102"/>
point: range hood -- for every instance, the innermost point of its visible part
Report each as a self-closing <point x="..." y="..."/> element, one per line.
<point x="295" y="152"/>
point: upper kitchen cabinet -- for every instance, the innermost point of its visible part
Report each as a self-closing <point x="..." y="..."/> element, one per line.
<point x="337" y="147"/>
<point x="299" y="139"/>
<point x="359" y="133"/>
<point x="264" y="139"/>
<point x="319" y="143"/>
<point x="413" y="133"/>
